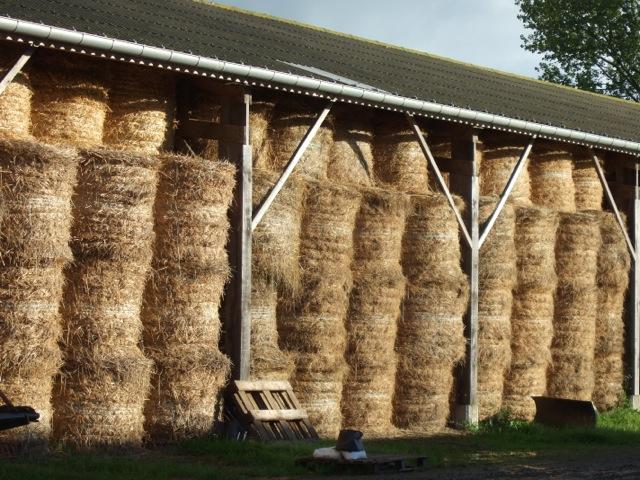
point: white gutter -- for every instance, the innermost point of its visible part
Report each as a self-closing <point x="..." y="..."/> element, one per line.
<point x="256" y="75"/>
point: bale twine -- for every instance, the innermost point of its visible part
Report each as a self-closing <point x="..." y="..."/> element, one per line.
<point x="589" y="192"/>
<point x="291" y="120"/>
<point x="15" y="101"/>
<point x="276" y="239"/>
<point x="398" y="159"/>
<point x="550" y="171"/>
<point x="180" y="309"/>
<point x="105" y="377"/>
<point x="69" y="103"/>
<point x="313" y="325"/>
<point x="532" y="311"/>
<point x="351" y="152"/>
<point x="498" y="276"/>
<point x="141" y="109"/>
<point x="571" y="374"/>
<point x="374" y="307"/>
<point x="436" y="299"/>
<point x="36" y="189"/>
<point x="500" y="156"/>
<point x="260" y="117"/>
<point x="613" y="278"/>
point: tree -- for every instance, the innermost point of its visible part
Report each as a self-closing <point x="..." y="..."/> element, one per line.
<point x="590" y="44"/>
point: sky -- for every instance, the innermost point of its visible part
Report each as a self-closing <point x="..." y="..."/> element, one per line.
<point x="482" y="32"/>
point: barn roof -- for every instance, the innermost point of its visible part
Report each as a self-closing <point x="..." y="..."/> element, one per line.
<point x="291" y="55"/>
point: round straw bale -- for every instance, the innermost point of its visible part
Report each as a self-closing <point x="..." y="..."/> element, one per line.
<point x="398" y="159"/>
<point x="499" y="157"/>
<point x="15" y="101"/>
<point x="292" y="118"/>
<point x="260" y="117"/>
<point x="613" y="258"/>
<point x="351" y="153"/>
<point x="185" y="391"/>
<point x="550" y="171"/>
<point x="431" y="247"/>
<point x="367" y="398"/>
<point x="276" y="239"/>
<point x="320" y="397"/>
<point x="268" y="361"/>
<point x="577" y="246"/>
<point x="100" y="398"/>
<point x="589" y="192"/>
<point x="141" y="109"/>
<point x="69" y="104"/>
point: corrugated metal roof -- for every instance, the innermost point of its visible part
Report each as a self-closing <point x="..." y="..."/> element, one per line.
<point x="241" y="37"/>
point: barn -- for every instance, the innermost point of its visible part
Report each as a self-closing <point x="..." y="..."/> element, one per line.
<point x="191" y="193"/>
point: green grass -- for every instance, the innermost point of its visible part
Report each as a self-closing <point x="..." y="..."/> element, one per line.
<point x="497" y="440"/>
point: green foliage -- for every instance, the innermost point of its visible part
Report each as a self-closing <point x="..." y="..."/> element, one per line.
<point x="590" y="44"/>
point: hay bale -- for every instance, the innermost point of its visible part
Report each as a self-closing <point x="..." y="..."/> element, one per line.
<point x="312" y="326"/>
<point x="351" y="153"/>
<point x="99" y="398"/>
<point x="141" y="109"/>
<point x="500" y="156"/>
<point x="69" y="104"/>
<point x="589" y="192"/>
<point x="374" y="307"/>
<point x="532" y="311"/>
<point x="497" y="276"/>
<point x="36" y="188"/>
<point x="292" y="118"/>
<point x="276" y="239"/>
<point x="260" y="117"/>
<point x="551" y="176"/>
<point x="398" y="159"/>
<point x="180" y="309"/>
<point x="614" y="263"/>
<point x="15" y="101"/>
<point x="571" y="374"/>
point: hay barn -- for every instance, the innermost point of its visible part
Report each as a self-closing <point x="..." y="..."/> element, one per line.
<point x="191" y="194"/>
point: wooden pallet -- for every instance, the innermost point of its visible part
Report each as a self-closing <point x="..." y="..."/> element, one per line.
<point x="374" y="464"/>
<point x="271" y="411"/>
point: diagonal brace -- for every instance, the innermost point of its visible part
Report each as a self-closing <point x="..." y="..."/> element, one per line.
<point x="432" y="162"/>
<point x="515" y="174"/>
<point x="297" y="156"/>
<point x="15" y="70"/>
<point x="613" y="205"/>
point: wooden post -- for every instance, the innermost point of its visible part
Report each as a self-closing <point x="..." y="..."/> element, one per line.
<point x="465" y="149"/>
<point x="634" y="311"/>
<point x="235" y="112"/>
<point x="16" y="68"/>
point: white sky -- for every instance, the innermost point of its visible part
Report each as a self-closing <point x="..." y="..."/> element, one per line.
<point x="483" y="32"/>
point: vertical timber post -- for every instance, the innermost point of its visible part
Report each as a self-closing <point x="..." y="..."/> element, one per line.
<point x="635" y="300"/>
<point x="465" y="149"/>
<point x="235" y="112"/>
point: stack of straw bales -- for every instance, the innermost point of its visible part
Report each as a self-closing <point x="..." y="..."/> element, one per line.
<point x="374" y="308"/>
<point x="141" y="109"/>
<point x="430" y="340"/>
<point x="532" y="312"/>
<point x="500" y="155"/>
<point x="105" y="377"/>
<point x="37" y="185"/>
<point x="399" y="159"/>
<point x="577" y="244"/>
<point x="259" y="119"/>
<point x="276" y="268"/>
<point x="69" y="103"/>
<point x="291" y="121"/>
<point x="498" y="277"/>
<point x="612" y="280"/>
<point x="351" y="153"/>
<point x="180" y="311"/>
<point x="551" y="176"/>
<point x="313" y="325"/>
<point x="587" y="184"/>
<point x="15" y="101"/>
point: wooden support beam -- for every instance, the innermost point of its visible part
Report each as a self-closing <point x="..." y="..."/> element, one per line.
<point x="15" y="70"/>
<point x="295" y="158"/>
<point x="634" y="311"/>
<point x="443" y="185"/>
<point x="515" y="174"/>
<point x="466" y="149"/>
<point x="235" y="113"/>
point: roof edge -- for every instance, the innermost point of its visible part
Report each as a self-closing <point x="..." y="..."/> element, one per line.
<point x="264" y="77"/>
